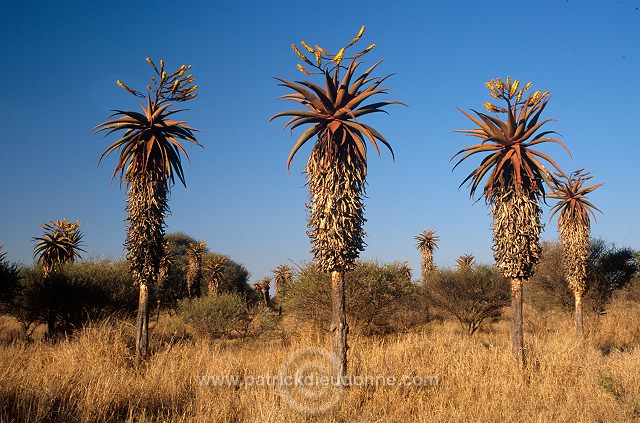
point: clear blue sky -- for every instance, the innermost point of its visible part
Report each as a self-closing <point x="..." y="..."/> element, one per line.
<point x="60" y="61"/>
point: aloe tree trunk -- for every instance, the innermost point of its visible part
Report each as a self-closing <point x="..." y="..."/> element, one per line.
<point x="147" y="206"/>
<point x="142" y="322"/>
<point x="339" y="325"/>
<point x="517" y="333"/>
<point x="427" y="266"/>
<point x="579" y="314"/>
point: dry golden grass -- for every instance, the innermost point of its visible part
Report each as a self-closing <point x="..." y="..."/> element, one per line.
<point x="92" y="378"/>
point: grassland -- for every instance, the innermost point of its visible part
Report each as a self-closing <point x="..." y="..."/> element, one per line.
<point x="93" y="377"/>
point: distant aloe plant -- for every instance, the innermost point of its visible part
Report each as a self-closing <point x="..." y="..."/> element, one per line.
<point x="574" y="225"/>
<point x="214" y="268"/>
<point x="465" y="261"/>
<point x="195" y="251"/>
<point x="426" y="243"/>
<point x="60" y="244"/>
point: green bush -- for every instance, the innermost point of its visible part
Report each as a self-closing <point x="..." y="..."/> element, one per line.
<point x="610" y="269"/>
<point x="9" y="281"/>
<point x="235" y="277"/>
<point x="217" y="316"/>
<point x="472" y="295"/>
<point x="380" y="298"/>
<point x="76" y="295"/>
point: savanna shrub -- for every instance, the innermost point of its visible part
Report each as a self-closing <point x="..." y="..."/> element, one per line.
<point x="235" y="277"/>
<point x="610" y="269"/>
<point x="9" y="281"/>
<point x="216" y="316"/>
<point x="74" y="296"/>
<point x="380" y="298"/>
<point x="472" y="295"/>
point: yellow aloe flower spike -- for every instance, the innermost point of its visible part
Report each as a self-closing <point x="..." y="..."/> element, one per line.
<point x="302" y="69"/>
<point x="323" y="51"/>
<point x="338" y="57"/>
<point x="309" y="49"/>
<point x="490" y="107"/>
<point x="514" y="88"/>
<point x="300" y="55"/>
<point x="355" y="40"/>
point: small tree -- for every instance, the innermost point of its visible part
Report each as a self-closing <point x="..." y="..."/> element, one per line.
<point x="217" y="316"/>
<point x="465" y="261"/>
<point x="9" y="281"/>
<point x="380" y="298"/>
<point x="59" y="244"/>
<point x="262" y="288"/>
<point x="426" y="243"/>
<point x="472" y="295"/>
<point x="282" y="275"/>
<point x="195" y="251"/>
<point x="214" y="268"/>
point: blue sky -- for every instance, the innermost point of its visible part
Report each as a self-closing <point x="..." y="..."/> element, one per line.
<point x="60" y="62"/>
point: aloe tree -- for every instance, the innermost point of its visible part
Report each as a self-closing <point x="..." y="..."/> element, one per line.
<point x="195" y="251"/>
<point x="426" y="243"/>
<point x="337" y="168"/>
<point x="165" y="265"/>
<point x="214" y="268"/>
<point x="262" y="288"/>
<point x="60" y="244"/>
<point x="574" y="224"/>
<point x="515" y="182"/>
<point x="465" y="261"/>
<point x="282" y="276"/>
<point x="150" y="159"/>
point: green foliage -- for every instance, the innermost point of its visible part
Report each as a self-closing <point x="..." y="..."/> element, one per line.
<point x="472" y="295"/>
<point x="218" y="316"/>
<point x="548" y="288"/>
<point x="235" y="277"/>
<point x="610" y="269"/>
<point x="380" y="298"/>
<point x="9" y="280"/>
<point x="74" y="296"/>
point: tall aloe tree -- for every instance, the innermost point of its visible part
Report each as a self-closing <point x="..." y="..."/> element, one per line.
<point x="574" y="224"/>
<point x="337" y="168"/>
<point x="150" y="158"/>
<point x="195" y="252"/>
<point x="60" y="244"/>
<point x="426" y="243"/>
<point x="515" y="181"/>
